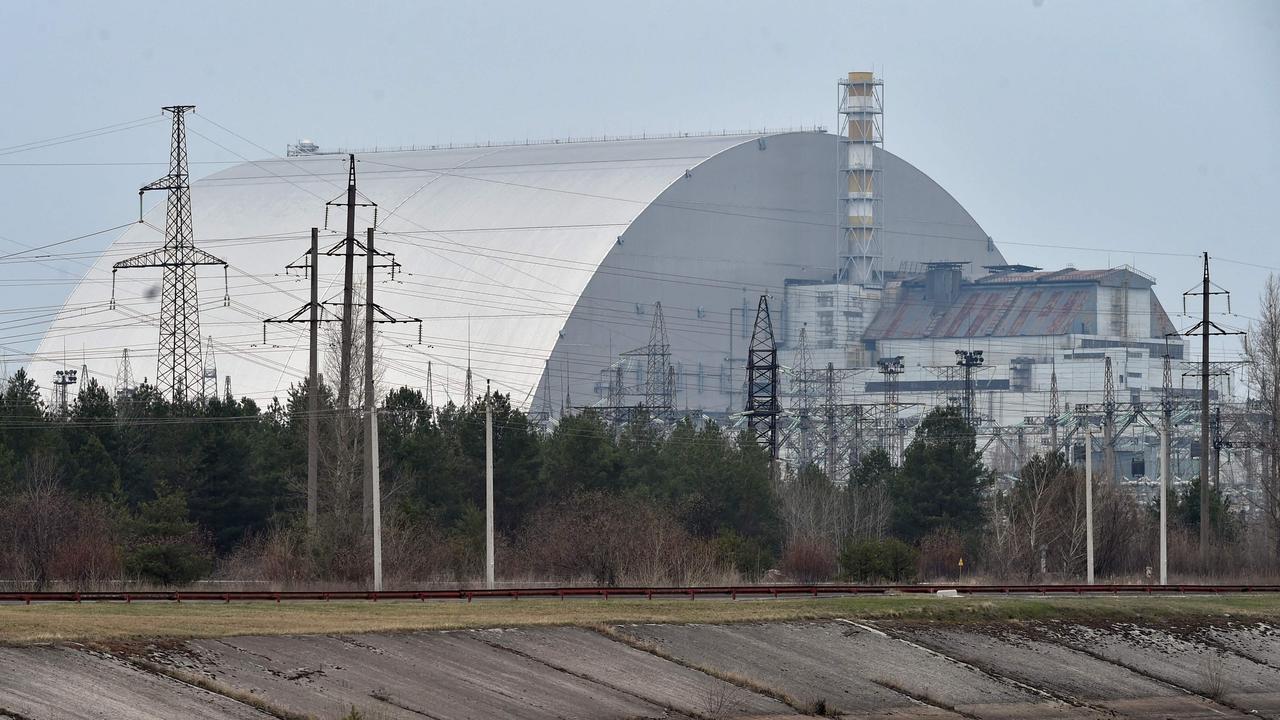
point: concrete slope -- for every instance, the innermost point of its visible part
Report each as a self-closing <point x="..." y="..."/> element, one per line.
<point x="438" y="675"/>
<point x="71" y="684"/>
<point x="591" y="655"/>
<point x="844" y="668"/>
<point x="1064" y="672"/>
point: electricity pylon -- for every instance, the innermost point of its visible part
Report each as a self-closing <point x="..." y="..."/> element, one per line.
<point x="179" y="369"/>
<point x="762" y="382"/>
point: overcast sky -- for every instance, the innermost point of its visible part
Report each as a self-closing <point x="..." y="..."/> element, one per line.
<point x="1121" y="128"/>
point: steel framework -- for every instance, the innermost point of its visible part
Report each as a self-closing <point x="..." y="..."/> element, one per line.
<point x="762" y="381"/>
<point x="179" y="367"/>
<point x="860" y="131"/>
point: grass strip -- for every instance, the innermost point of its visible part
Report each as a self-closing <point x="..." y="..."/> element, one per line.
<point x="97" y="622"/>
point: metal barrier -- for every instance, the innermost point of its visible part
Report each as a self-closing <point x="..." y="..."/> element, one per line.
<point x="605" y="593"/>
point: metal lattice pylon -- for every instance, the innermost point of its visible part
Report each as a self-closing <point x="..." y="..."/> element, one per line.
<point x="209" y="373"/>
<point x="1109" y="420"/>
<point x="803" y="389"/>
<point x="124" y="377"/>
<point x="659" y="390"/>
<point x="1055" y="407"/>
<point x="762" y="382"/>
<point x="179" y="370"/>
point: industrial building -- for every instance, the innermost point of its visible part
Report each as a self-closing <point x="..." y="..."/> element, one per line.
<point x="616" y="273"/>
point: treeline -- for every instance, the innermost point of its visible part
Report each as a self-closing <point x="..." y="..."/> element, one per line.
<point x="138" y="489"/>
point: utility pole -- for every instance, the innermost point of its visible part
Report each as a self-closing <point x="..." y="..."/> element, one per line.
<point x="1216" y="428"/>
<point x="124" y="378"/>
<point x="1108" y="421"/>
<point x="431" y="400"/>
<point x="313" y="386"/>
<point x="762" y="385"/>
<point x="313" y="310"/>
<point x="832" y="439"/>
<point x="803" y="401"/>
<point x="344" y="376"/>
<point x="1088" y="502"/>
<point x="373" y="484"/>
<point x="62" y="379"/>
<point x="1204" y="415"/>
<point x="659" y="390"/>
<point x="1206" y="327"/>
<point x="488" y="487"/>
<point x="1055" y="408"/>
<point x="209" y="373"/>
<point x="891" y="441"/>
<point x="467" y="389"/>
<point x="179" y="372"/>
<point x="1166" y="426"/>
<point x="547" y="411"/>
<point x="969" y="359"/>
<point x="1164" y="502"/>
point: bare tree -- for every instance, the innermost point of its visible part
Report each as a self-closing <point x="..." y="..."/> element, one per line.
<point x="341" y="458"/>
<point x="868" y="506"/>
<point x="1262" y="346"/>
<point x="811" y="507"/>
<point x="1046" y="517"/>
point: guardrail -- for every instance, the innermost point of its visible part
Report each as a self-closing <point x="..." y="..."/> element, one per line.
<point x="605" y="593"/>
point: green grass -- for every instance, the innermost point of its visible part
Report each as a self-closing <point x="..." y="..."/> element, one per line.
<point x="98" y="622"/>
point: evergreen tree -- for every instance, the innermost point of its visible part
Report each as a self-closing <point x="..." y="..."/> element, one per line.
<point x="165" y="546"/>
<point x="580" y="454"/>
<point x="942" y="478"/>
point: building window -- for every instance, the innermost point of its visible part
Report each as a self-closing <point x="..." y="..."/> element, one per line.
<point x="826" y="323"/>
<point x="826" y="299"/>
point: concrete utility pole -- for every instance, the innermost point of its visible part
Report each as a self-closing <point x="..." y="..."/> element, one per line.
<point x="1088" y="502"/>
<point x="488" y="487"/>
<point x="313" y="392"/>
<point x="1204" y="416"/>
<point x="1164" y="502"/>
<point x="348" y="278"/>
<point x="373" y="482"/>
<point x="1206" y="327"/>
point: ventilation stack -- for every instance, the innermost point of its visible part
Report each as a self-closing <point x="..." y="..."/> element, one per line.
<point x="861" y="130"/>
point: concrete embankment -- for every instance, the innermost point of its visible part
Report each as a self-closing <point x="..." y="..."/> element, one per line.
<point x="840" y="668"/>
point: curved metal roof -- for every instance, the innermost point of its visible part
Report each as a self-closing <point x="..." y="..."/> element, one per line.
<point x="507" y="234"/>
<point x="498" y="245"/>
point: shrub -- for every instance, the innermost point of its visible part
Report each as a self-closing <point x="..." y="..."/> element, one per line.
<point x="747" y="555"/>
<point x="876" y="560"/>
<point x="940" y="554"/>
<point x="165" y="546"/>
<point x="809" y="560"/>
<point x="49" y="536"/>
<point x="612" y="539"/>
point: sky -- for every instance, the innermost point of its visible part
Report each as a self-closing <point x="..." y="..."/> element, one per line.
<point x="1079" y="133"/>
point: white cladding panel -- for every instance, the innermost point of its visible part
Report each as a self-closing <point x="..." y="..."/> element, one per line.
<point x="520" y="255"/>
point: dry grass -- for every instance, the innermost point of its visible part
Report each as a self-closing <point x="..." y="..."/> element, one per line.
<point x="52" y="623"/>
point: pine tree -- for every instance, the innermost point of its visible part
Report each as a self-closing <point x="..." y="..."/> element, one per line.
<point x="942" y="478"/>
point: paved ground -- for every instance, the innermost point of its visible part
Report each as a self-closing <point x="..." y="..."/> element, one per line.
<point x="852" y="669"/>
